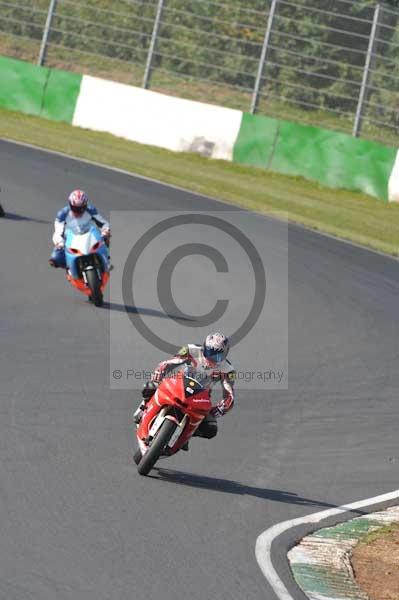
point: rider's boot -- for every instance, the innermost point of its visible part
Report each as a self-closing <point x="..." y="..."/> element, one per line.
<point x="138" y="414"/>
<point x="148" y="391"/>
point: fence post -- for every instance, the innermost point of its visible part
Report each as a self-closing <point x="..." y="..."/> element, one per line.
<point x="258" y="81"/>
<point x="46" y="32"/>
<point x="366" y="72"/>
<point x="151" y="49"/>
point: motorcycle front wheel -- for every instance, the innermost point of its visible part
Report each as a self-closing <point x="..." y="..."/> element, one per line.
<point x="95" y="287"/>
<point x="160" y="441"/>
<point x="137" y="456"/>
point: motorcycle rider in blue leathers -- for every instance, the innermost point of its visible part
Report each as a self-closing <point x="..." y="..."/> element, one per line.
<point x="78" y="208"/>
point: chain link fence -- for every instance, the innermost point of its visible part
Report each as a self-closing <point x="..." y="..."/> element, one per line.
<point x="313" y="61"/>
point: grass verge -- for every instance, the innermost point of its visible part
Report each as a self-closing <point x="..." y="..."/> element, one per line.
<point x="381" y="533"/>
<point x="348" y="215"/>
<point x="375" y="563"/>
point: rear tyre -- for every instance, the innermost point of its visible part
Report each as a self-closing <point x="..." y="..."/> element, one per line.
<point x="162" y="438"/>
<point x="95" y="287"/>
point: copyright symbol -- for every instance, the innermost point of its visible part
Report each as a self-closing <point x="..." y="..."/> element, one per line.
<point x="117" y="374"/>
<point x="164" y="279"/>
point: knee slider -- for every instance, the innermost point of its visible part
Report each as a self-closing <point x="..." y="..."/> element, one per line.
<point x="210" y="430"/>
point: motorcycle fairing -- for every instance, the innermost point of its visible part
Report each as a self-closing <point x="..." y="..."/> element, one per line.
<point x="84" y="241"/>
<point x="181" y="399"/>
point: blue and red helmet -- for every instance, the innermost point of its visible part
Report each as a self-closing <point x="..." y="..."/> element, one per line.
<point x="216" y="347"/>
<point x="78" y="201"/>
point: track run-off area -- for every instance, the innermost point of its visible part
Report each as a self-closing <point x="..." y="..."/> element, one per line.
<point x="77" y="521"/>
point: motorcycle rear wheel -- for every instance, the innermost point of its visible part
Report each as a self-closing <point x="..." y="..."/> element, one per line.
<point x="161" y="439"/>
<point x="95" y="287"/>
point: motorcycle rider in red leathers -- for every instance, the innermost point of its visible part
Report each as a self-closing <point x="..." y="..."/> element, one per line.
<point x="208" y="364"/>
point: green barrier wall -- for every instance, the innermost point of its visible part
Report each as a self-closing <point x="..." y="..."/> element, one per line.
<point x="61" y="95"/>
<point x="256" y="141"/>
<point x="334" y="159"/>
<point x="39" y="91"/>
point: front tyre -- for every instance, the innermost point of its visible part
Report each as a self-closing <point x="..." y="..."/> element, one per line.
<point x="137" y="456"/>
<point x="95" y="287"/>
<point x="160" y="441"/>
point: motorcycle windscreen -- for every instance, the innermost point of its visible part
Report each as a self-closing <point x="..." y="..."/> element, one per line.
<point x="192" y="387"/>
<point x="196" y="396"/>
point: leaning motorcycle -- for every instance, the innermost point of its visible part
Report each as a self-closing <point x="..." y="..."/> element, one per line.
<point x="86" y="256"/>
<point x="170" y="418"/>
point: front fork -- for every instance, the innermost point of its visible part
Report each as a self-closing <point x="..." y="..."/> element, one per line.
<point x="180" y="436"/>
<point x="91" y="268"/>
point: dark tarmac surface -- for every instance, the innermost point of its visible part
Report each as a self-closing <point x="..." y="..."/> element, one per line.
<point x="76" y="520"/>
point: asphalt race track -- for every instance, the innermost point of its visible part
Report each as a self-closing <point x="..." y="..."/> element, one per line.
<point x="76" y="520"/>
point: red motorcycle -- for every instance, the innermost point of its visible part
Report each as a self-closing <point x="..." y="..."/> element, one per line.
<point x="170" y="418"/>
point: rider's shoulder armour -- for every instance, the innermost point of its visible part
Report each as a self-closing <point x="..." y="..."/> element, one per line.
<point x="62" y="214"/>
<point x="194" y="350"/>
<point x="183" y="352"/>
<point x="92" y="210"/>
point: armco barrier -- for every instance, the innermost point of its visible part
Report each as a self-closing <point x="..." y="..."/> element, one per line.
<point x="333" y="159"/>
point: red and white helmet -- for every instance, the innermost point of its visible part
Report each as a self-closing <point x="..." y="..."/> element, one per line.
<point x="216" y="347"/>
<point x="78" y="201"/>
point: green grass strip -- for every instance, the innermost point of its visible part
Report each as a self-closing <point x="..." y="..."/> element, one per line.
<point x="385" y="532"/>
<point x="348" y="215"/>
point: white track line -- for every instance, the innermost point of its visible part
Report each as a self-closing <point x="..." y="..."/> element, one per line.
<point x="265" y="540"/>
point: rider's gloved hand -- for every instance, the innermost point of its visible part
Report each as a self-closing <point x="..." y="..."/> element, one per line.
<point x="149" y="389"/>
<point x="58" y="240"/>
<point x="157" y="376"/>
<point x="105" y="231"/>
<point x="216" y="412"/>
<point x="159" y="372"/>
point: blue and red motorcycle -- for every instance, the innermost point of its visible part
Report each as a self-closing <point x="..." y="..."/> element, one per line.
<point x="86" y="256"/>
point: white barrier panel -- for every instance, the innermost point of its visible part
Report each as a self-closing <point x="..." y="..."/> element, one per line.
<point x="393" y="183"/>
<point x="156" y="119"/>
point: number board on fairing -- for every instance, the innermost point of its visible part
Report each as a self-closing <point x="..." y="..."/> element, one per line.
<point x="191" y="387"/>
